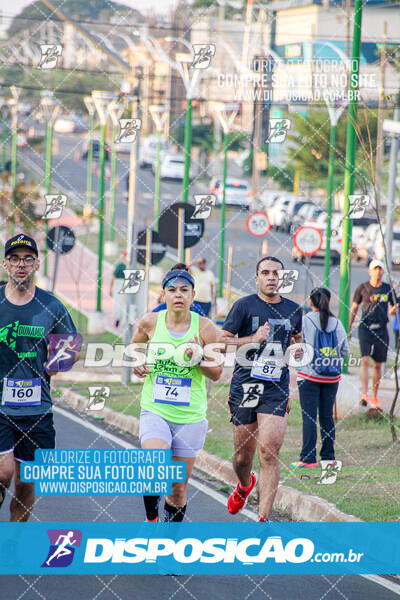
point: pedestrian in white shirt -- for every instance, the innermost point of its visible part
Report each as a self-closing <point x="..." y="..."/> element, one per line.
<point x="204" y="284"/>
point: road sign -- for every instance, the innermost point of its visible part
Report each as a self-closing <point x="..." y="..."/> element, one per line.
<point x="168" y="225"/>
<point x="65" y="236"/>
<point x="158" y="248"/>
<point x="258" y="224"/>
<point x="392" y="127"/>
<point x="308" y="240"/>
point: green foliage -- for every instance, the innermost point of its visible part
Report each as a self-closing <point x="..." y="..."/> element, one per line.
<point x="90" y="10"/>
<point x="284" y="177"/>
<point x="237" y="141"/>
<point x="202" y="136"/>
<point x="205" y="5"/>
<point x="309" y="145"/>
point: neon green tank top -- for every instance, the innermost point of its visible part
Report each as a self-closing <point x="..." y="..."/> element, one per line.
<point x="176" y="393"/>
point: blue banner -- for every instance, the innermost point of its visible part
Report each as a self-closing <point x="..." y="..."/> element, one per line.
<point x="199" y="548"/>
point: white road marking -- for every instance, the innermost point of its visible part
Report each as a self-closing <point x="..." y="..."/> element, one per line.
<point x="377" y="579"/>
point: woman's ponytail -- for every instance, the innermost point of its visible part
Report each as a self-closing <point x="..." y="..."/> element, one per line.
<point x="320" y="298"/>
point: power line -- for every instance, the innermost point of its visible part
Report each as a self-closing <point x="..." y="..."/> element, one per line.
<point x="172" y="28"/>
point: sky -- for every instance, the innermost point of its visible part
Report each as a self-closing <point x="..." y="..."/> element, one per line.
<point x="15" y="7"/>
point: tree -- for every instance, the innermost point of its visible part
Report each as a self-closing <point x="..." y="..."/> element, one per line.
<point x="309" y="147"/>
<point x="90" y="10"/>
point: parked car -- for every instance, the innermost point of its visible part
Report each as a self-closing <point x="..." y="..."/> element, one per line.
<point x="148" y="151"/>
<point x="291" y="213"/>
<point x="277" y="210"/>
<point x="96" y="149"/>
<point x="173" y="166"/>
<point x="69" y="124"/>
<point x="364" y="248"/>
<point x="308" y="211"/>
<point x="360" y="226"/>
<point x="237" y="192"/>
<point x="379" y="249"/>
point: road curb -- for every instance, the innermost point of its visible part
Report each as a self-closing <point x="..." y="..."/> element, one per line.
<point x="298" y="506"/>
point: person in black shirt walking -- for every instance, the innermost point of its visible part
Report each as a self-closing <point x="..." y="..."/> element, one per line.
<point x="374" y="297"/>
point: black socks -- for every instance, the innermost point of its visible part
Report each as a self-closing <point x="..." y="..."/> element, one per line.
<point x="171" y="513"/>
<point x="174" y="513"/>
<point x="151" y="506"/>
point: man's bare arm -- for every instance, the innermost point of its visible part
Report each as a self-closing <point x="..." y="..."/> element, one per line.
<point x="353" y="313"/>
<point x="258" y="337"/>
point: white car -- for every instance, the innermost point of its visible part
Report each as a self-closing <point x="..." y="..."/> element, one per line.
<point x="69" y="124"/>
<point x="364" y="248"/>
<point x="379" y="249"/>
<point x="359" y="228"/>
<point x="148" y="151"/>
<point x="280" y="208"/>
<point x="173" y="167"/>
<point x="237" y="192"/>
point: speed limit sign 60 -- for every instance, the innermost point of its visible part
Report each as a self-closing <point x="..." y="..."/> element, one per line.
<point x="258" y="224"/>
<point x="308" y="240"/>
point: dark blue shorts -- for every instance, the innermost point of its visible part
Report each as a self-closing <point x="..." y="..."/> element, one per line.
<point x="24" y="434"/>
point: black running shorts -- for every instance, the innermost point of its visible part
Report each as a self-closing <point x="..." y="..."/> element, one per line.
<point x="243" y="414"/>
<point x="25" y="434"/>
<point x="374" y="343"/>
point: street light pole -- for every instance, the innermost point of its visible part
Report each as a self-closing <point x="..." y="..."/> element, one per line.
<point x="159" y="114"/>
<point x="101" y="101"/>
<point x="222" y="228"/>
<point x="13" y="102"/>
<point x="345" y="259"/>
<point x="331" y="173"/>
<point x="88" y="100"/>
<point x="187" y="149"/>
<point x="131" y="238"/>
<point x="226" y="114"/>
<point x="3" y="105"/>
<point x="116" y="112"/>
<point x="50" y="108"/>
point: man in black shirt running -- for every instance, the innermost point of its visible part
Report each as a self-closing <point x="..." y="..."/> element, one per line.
<point x="28" y="315"/>
<point x="259" y="392"/>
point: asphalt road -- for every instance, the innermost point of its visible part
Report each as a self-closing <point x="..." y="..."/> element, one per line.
<point x="73" y="434"/>
<point x="70" y="175"/>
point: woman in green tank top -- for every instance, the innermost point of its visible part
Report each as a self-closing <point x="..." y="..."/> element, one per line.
<point x="174" y="397"/>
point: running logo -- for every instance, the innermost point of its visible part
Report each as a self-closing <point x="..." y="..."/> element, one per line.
<point x="62" y="547"/>
<point x="8" y="334"/>
<point x="251" y="394"/>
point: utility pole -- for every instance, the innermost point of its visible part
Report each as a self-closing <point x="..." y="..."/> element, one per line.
<point x="345" y="259"/>
<point x="263" y="65"/>
<point x="381" y="105"/>
<point x="132" y="193"/>
<point x="390" y="208"/>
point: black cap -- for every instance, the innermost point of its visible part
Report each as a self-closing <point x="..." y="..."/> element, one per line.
<point x="20" y="241"/>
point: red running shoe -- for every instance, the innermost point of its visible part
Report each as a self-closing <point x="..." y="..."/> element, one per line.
<point x="238" y="498"/>
<point x="152" y="520"/>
